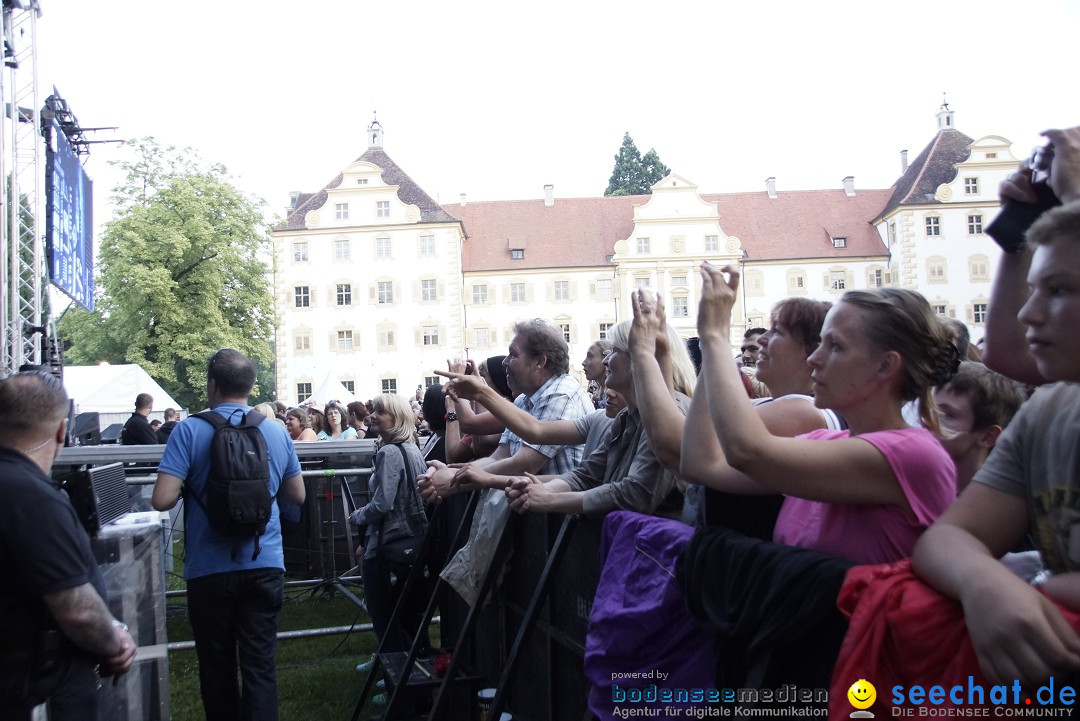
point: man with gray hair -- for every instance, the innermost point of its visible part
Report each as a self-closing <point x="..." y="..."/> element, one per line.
<point x="55" y="626"/>
<point x="537" y="366"/>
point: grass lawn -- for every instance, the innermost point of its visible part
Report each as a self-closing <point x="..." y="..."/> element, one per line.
<point x="317" y="678"/>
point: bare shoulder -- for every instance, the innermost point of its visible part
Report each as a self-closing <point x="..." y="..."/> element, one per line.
<point x="790" y="416"/>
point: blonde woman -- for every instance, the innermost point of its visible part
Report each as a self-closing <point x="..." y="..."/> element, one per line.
<point x="395" y="511"/>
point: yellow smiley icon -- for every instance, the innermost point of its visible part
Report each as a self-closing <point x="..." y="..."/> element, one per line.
<point x="862" y="694"/>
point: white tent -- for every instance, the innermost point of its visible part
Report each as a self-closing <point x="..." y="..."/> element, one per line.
<point x="331" y="389"/>
<point x="112" y="388"/>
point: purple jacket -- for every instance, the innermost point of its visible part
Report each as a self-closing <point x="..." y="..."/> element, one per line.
<point x="639" y="623"/>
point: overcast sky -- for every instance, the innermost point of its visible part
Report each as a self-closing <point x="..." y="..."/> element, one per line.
<point x="495" y="99"/>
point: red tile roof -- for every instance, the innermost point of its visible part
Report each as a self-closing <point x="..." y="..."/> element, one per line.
<point x="572" y="232"/>
<point x="583" y="231"/>
<point x="802" y="223"/>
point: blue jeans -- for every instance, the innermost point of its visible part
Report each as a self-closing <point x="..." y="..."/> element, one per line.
<point x="234" y="617"/>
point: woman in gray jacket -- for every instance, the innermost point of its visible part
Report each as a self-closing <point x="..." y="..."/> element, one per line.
<point x="395" y="511"/>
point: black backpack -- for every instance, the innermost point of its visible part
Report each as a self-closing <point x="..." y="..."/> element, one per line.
<point x="238" y="499"/>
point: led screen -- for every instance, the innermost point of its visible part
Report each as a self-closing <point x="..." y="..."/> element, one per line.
<point x="68" y="220"/>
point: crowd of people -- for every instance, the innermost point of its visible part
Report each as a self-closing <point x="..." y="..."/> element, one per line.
<point x="851" y="457"/>
<point x="866" y="431"/>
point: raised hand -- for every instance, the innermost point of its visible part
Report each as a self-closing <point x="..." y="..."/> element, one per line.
<point x="718" y="296"/>
<point x="648" y="329"/>
<point x="1065" y="167"/>
<point x="469" y="387"/>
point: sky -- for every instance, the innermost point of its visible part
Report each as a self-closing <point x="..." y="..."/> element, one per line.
<point x="497" y="99"/>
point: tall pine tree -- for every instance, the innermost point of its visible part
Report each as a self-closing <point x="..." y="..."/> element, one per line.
<point x="634" y="174"/>
<point x="652" y="170"/>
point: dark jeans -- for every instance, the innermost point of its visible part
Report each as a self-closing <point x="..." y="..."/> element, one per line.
<point x="381" y="594"/>
<point x="234" y="615"/>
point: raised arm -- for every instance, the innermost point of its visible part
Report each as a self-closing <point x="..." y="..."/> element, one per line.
<point x="703" y="460"/>
<point x="1005" y="349"/>
<point x="560" y="432"/>
<point x="653" y="388"/>
<point x="839" y="471"/>
<point x="469" y="420"/>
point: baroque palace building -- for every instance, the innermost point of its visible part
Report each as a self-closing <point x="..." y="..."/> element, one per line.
<point x="376" y="284"/>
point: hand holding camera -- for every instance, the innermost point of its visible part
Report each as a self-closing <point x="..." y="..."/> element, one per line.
<point x="1026" y="195"/>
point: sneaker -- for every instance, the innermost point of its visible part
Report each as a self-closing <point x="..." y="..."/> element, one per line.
<point x="366" y="666"/>
<point x="380" y="699"/>
<point x="381" y="684"/>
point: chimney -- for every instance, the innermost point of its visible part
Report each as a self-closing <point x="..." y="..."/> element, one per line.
<point x="770" y="186"/>
<point x="463" y="200"/>
<point x="903" y="162"/>
<point x="849" y="186"/>
<point x="549" y="195"/>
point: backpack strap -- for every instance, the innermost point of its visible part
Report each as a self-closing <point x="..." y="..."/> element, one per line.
<point x="215" y="420"/>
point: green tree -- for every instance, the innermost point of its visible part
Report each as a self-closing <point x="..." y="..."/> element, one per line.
<point x="652" y="170"/>
<point x="633" y="173"/>
<point x="182" y="271"/>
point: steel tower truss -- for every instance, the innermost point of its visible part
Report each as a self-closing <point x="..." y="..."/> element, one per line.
<point x="22" y="257"/>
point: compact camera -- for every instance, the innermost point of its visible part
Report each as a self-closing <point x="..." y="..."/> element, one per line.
<point x="1011" y="224"/>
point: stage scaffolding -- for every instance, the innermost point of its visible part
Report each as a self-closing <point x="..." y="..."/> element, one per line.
<point x="22" y="264"/>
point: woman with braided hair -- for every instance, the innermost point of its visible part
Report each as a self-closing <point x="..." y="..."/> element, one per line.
<point x="868" y="493"/>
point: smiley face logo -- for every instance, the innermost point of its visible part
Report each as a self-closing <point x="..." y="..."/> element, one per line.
<point x="862" y="694"/>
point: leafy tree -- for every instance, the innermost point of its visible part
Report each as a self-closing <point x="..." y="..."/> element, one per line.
<point x="634" y="174"/>
<point x="182" y="271"/>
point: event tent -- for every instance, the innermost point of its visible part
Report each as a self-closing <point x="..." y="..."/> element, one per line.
<point x="330" y="389"/>
<point x="109" y="388"/>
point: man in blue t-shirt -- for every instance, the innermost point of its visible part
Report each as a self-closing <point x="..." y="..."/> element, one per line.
<point x="233" y="599"/>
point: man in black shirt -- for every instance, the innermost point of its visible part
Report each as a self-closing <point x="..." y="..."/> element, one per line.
<point x="171" y="419"/>
<point x="54" y="624"/>
<point x="137" y="431"/>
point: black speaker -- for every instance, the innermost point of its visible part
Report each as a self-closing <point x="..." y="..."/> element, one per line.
<point x="99" y="495"/>
<point x="112" y="433"/>
<point x="86" y="429"/>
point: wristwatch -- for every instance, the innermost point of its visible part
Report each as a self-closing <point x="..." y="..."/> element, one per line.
<point x="450" y="416"/>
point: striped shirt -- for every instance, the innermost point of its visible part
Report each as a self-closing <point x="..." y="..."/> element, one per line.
<point x="560" y="398"/>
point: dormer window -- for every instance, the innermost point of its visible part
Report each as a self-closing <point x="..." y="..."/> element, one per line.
<point x="517" y="254"/>
<point x="839" y="242"/>
<point x="361" y="181"/>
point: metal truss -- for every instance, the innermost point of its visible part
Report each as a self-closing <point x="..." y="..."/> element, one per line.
<point x="23" y="262"/>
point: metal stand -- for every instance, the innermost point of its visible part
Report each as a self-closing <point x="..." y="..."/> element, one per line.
<point x="414" y="575"/>
<point x="528" y="622"/>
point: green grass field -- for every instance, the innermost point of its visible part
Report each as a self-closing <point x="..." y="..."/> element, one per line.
<point x="317" y="678"/>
